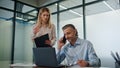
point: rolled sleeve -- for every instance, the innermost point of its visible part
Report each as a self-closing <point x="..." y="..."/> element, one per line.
<point x="93" y="59"/>
<point x="60" y="56"/>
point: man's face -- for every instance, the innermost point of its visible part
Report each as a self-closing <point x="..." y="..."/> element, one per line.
<point x="69" y="33"/>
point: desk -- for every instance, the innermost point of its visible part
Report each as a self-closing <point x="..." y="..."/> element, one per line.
<point x="75" y="66"/>
<point x="30" y="65"/>
<point x="6" y="64"/>
<point x="60" y="67"/>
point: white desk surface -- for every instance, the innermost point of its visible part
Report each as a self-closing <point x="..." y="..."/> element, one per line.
<point x="30" y="64"/>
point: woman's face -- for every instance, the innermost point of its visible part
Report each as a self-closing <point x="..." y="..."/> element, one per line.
<point x="45" y="17"/>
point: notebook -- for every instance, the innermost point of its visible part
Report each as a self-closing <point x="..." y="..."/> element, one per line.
<point x="40" y="41"/>
<point x="46" y="57"/>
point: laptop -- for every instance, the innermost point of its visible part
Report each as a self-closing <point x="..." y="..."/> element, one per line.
<point x="40" y="41"/>
<point x="46" y="57"/>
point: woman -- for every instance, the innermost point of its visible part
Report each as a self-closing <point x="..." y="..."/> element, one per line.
<point x="44" y="26"/>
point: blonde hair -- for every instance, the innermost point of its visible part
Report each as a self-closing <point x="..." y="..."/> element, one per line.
<point x="39" y="21"/>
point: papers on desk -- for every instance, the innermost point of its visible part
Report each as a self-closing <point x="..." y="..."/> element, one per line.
<point x="22" y="64"/>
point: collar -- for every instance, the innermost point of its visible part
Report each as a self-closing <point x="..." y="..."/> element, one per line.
<point x="78" y="42"/>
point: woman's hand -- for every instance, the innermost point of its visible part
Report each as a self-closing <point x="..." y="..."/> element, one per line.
<point x="36" y="29"/>
<point x="48" y="42"/>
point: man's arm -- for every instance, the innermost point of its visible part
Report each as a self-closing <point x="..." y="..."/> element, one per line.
<point x="60" y="54"/>
<point x="93" y="59"/>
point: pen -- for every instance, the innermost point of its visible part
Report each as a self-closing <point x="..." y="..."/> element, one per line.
<point x="114" y="56"/>
<point x="118" y="56"/>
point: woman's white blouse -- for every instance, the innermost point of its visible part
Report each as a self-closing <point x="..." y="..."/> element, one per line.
<point x="44" y="30"/>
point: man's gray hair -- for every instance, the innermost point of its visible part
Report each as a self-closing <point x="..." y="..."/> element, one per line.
<point x="70" y="25"/>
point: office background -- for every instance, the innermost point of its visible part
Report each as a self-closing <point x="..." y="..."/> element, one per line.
<point x="100" y="25"/>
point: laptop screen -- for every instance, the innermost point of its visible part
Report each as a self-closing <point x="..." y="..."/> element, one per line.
<point x="45" y="56"/>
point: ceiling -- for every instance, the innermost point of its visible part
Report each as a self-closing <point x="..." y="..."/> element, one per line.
<point x="93" y="7"/>
<point x="37" y="3"/>
<point x="97" y="7"/>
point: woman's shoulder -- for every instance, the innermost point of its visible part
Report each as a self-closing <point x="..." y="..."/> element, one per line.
<point x="52" y="25"/>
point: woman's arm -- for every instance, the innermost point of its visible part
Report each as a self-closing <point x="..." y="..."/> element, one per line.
<point x="53" y="40"/>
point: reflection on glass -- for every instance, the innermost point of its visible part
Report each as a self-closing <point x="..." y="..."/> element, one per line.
<point x="23" y="32"/>
<point x="7" y="4"/>
<point x="53" y="8"/>
<point x="5" y="35"/>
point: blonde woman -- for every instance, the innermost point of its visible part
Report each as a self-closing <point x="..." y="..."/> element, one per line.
<point x="44" y="26"/>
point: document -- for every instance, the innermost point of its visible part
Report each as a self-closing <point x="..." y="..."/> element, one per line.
<point x="40" y="41"/>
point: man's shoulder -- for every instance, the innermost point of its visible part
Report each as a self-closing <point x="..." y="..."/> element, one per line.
<point x="83" y="40"/>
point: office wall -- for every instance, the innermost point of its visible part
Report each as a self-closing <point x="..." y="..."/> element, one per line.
<point x="103" y="31"/>
<point x="77" y="22"/>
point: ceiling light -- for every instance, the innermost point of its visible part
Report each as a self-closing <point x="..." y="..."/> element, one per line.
<point x="108" y="6"/>
<point x="70" y="10"/>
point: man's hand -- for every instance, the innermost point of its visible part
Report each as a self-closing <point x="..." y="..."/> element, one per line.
<point x="60" y="43"/>
<point x="83" y="63"/>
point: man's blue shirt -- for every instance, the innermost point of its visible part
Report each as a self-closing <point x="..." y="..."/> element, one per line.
<point x="81" y="50"/>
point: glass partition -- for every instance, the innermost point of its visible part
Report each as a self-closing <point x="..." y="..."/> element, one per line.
<point x="7" y="4"/>
<point x="53" y="8"/>
<point x="23" y="35"/>
<point x="72" y="16"/>
<point x="5" y="36"/>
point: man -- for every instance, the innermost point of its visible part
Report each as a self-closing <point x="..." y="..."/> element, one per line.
<point x="77" y="51"/>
